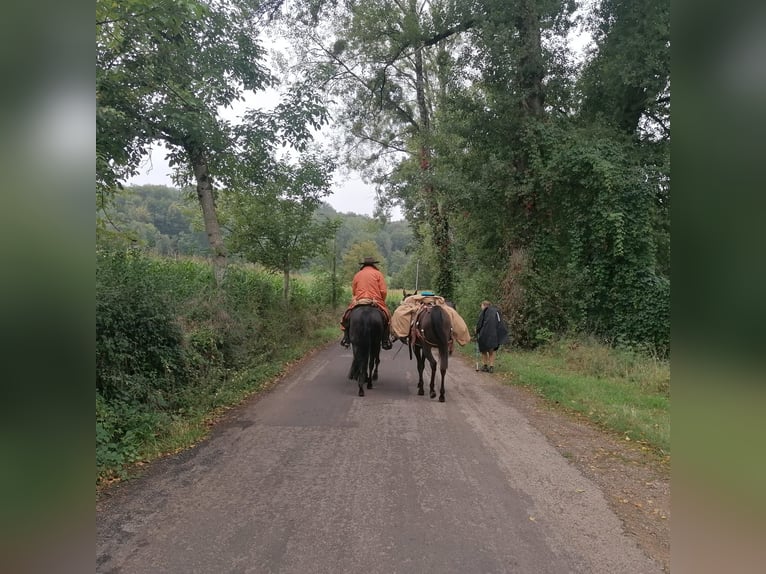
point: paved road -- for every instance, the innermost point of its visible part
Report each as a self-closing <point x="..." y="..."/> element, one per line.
<point x="313" y="479"/>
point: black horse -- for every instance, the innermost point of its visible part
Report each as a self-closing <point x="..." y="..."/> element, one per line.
<point x="365" y="332"/>
<point x="431" y="329"/>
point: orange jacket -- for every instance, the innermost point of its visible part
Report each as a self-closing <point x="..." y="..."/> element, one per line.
<point x="369" y="283"/>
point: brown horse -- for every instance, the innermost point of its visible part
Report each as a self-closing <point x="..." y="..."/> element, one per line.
<point x="431" y="329"/>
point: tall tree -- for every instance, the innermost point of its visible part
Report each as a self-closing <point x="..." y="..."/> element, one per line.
<point x="165" y="70"/>
<point x="627" y="81"/>
<point x="380" y="59"/>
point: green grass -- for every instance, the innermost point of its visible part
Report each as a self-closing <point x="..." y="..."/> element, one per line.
<point x="622" y="392"/>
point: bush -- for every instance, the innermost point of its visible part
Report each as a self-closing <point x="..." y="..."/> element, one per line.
<point x="139" y="344"/>
<point x="172" y="347"/>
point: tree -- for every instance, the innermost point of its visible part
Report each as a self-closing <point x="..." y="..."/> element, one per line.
<point x="164" y="72"/>
<point x="627" y="81"/>
<point x="355" y="254"/>
<point x="386" y="62"/>
<point x="275" y="224"/>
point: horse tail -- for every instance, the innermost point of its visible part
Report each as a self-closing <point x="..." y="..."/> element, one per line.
<point x="441" y="329"/>
<point x="364" y="343"/>
<point x="359" y="336"/>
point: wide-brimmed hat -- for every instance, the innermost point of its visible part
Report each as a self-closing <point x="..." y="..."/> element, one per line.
<point x="369" y="261"/>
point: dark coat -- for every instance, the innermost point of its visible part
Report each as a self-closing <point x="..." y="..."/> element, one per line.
<point x="491" y="331"/>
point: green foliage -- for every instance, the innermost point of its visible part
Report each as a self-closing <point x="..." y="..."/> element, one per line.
<point x="355" y="254"/>
<point x="163" y="70"/>
<point x="421" y="267"/>
<point x="629" y="76"/>
<point x="324" y="289"/>
<point x="596" y="268"/>
<point x="275" y="224"/>
<point x="171" y="348"/>
<point x="138" y="340"/>
<point x="160" y="218"/>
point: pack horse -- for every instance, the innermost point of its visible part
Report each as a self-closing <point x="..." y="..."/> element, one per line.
<point x="431" y="330"/>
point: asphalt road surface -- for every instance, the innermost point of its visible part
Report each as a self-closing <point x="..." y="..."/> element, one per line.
<point x="311" y="478"/>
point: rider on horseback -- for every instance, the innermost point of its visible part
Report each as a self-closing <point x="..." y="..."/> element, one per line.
<point x="368" y="283"/>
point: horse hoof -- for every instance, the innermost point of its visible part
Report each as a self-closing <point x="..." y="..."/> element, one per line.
<point x="369" y="385"/>
<point x="441" y="399"/>
<point x="432" y="395"/>
<point x="361" y="392"/>
<point x="421" y="392"/>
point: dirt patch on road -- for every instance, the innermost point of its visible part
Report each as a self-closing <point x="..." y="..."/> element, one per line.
<point x="634" y="480"/>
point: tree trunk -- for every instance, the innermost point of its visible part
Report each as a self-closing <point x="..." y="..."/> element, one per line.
<point x="437" y="218"/>
<point x="209" y="215"/>
<point x="530" y="76"/>
<point x="531" y="63"/>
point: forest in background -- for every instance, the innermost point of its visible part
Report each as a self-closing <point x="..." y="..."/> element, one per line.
<point x="166" y="221"/>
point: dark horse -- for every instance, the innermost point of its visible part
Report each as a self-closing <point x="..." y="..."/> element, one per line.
<point x="431" y="329"/>
<point x="365" y="332"/>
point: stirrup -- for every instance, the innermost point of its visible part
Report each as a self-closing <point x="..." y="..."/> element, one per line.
<point x="386" y="343"/>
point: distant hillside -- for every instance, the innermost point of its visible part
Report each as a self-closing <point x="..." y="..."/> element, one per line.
<point x="167" y="221"/>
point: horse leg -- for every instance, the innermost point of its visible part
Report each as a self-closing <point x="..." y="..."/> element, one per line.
<point x="432" y="362"/>
<point x="369" y="370"/>
<point x="441" y="388"/>
<point x="360" y="381"/>
<point x="360" y="368"/>
<point x="375" y="361"/>
<point x="421" y="361"/>
<point x="353" y="372"/>
<point x="363" y="375"/>
<point x="443" y="370"/>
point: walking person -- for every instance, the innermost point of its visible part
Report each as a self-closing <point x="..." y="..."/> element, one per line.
<point x="491" y="332"/>
<point x="368" y="284"/>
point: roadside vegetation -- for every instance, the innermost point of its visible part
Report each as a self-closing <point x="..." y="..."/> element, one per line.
<point x="173" y="351"/>
<point x="624" y="392"/>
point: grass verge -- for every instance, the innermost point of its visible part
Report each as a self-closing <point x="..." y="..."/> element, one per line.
<point x="620" y="391"/>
